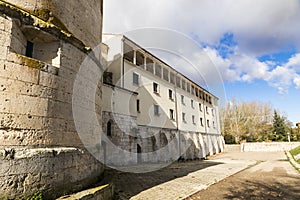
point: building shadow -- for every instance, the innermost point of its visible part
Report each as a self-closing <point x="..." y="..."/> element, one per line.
<point x="128" y="184"/>
<point x="276" y="184"/>
<point x="260" y="190"/>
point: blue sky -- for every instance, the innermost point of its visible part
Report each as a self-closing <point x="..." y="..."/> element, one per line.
<point x="251" y="49"/>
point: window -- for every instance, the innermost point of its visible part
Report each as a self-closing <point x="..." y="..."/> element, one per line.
<point x="155" y="88"/>
<point x="172" y="114"/>
<point x="188" y="87"/>
<point x="138" y="105"/>
<point x="209" y="100"/>
<point x="158" y="70"/>
<point x="128" y="53"/>
<point x="29" y="49"/>
<point x="201" y="121"/>
<point x="193" y="90"/>
<point x="208" y="124"/>
<point x="156" y="110"/>
<point x="197" y="94"/>
<point x="171" y="94"/>
<point x="149" y="65"/>
<point x="212" y="112"/>
<point x="183" y="86"/>
<point x="182" y="99"/>
<point x="172" y="78"/>
<point x="108" y="78"/>
<point x="207" y="110"/>
<point x="193" y="119"/>
<point x="140" y="59"/>
<point x="183" y="117"/>
<point x="135" y="78"/>
<point x="165" y="74"/>
<point x="178" y="81"/>
<point x="214" y="125"/>
<point x="192" y="103"/>
<point x="200" y="107"/>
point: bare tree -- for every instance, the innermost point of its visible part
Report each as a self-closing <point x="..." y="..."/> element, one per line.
<point x="247" y="120"/>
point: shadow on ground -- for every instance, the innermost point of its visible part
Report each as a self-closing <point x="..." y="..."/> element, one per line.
<point x="128" y="184"/>
<point x="275" y="184"/>
<point x="251" y="189"/>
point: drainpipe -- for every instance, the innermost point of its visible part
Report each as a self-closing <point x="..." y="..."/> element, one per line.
<point x="176" y="111"/>
<point x="122" y="62"/>
<point x="205" y="124"/>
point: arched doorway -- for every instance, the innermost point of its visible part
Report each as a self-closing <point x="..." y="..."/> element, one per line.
<point x="139" y="153"/>
<point x="108" y="129"/>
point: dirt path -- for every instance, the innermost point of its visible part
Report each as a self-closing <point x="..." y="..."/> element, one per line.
<point x="176" y="181"/>
<point x="272" y="178"/>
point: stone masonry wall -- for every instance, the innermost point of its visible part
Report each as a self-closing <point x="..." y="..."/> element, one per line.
<point x="126" y="135"/>
<point x="82" y="18"/>
<point x="40" y="149"/>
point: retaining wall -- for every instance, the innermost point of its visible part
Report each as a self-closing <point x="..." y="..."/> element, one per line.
<point x="269" y="146"/>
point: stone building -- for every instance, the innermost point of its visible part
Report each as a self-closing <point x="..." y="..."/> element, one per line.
<point x="152" y="112"/>
<point x="49" y="135"/>
<point x="43" y="43"/>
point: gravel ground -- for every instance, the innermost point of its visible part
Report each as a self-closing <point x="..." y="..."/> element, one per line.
<point x="272" y="178"/>
<point x="179" y="180"/>
<point x="231" y="175"/>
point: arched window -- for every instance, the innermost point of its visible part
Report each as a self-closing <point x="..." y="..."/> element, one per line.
<point x="108" y="129"/>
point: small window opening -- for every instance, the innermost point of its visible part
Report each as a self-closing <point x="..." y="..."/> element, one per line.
<point x="29" y="49"/>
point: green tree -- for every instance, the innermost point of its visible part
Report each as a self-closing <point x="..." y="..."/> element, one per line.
<point x="279" y="127"/>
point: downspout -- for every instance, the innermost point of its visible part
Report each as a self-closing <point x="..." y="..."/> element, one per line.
<point x="122" y="63"/>
<point x="205" y="125"/>
<point x="177" y="114"/>
<point x="177" y="126"/>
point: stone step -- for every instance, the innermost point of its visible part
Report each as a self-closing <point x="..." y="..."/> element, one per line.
<point x="103" y="192"/>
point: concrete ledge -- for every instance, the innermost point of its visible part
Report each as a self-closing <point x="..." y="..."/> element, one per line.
<point x="293" y="161"/>
<point x="268" y="146"/>
<point x="104" y="192"/>
<point x="232" y="148"/>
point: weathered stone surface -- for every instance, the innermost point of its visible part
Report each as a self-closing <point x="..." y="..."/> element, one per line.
<point x="105" y="192"/>
<point x="126" y="135"/>
<point x="81" y="18"/>
<point x="51" y="170"/>
<point x="40" y="149"/>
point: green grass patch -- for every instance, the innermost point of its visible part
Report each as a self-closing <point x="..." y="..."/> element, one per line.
<point x="295" y="152"/>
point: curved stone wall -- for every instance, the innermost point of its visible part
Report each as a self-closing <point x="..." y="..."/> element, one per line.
<point x="40" y="149"/>
<point x="81" y="18"/>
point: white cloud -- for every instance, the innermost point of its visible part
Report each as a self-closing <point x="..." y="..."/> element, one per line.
<point x="259" y="28"/>
<point x="297" y="82"/>
<point x="294" y="62"/>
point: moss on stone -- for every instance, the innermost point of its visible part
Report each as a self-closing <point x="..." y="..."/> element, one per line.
<point x="30" y="62"/>
<point x="42" y="18"/>
<point x="45" y="20"/>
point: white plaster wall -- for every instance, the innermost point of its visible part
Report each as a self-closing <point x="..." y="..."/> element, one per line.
<point x="148" y="98"/>
<point x="118" y="101"/>
<point x="189" y="112"/>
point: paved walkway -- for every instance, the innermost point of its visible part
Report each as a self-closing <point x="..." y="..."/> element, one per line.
<point x="272" y="178"/>
<point x="178" y="180"/>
